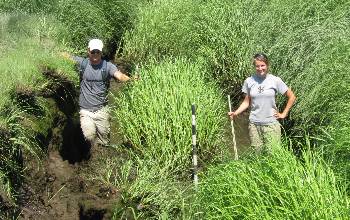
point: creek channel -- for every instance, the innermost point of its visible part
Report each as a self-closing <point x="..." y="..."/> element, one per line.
<point x="61" y="185"/>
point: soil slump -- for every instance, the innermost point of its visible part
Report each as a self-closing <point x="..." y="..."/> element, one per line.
<point x="60" y="190"/>
<point x="60" y="187"/>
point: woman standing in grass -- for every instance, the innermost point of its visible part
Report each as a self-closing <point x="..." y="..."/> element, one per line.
<point x="260" y="91"/>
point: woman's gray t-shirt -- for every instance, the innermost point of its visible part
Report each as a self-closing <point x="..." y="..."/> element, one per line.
<point x="93" y="88"/>
<point x="262" y="92"/>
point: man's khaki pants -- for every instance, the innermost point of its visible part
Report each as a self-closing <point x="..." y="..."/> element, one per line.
<point x="95" y="125"/>
<point x="263" y="137"/>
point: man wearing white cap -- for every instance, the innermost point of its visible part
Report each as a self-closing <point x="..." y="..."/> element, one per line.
<point x="95" y="74"/>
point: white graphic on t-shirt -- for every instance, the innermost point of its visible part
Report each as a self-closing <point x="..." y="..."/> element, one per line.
<point x="261" y="89"/>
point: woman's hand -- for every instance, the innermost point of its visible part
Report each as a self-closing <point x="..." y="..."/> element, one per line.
<point x="279" y="115"/>
<point x="232" y="115"/>
<point x="291" y="100"/>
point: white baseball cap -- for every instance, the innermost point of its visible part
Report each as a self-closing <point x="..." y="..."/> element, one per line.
<point x="95" y="44"/>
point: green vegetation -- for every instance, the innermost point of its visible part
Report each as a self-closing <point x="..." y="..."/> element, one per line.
<point x="192" y="51"/>
<point x="155" y="113"/>
<point x="325" y="100"/>
<point x="278" y="186"/>
<point x="227" y="33"/>
<point x="155" y="116"/>
<point x="27" y="7"/>
<point x="29" y="46"/>
<point x="307" y="43"/>
<point x="106" y="20"/>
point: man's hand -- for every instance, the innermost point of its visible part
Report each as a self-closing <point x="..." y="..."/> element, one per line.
<point x="136" y="77"/>
<point x="65" y="55"/>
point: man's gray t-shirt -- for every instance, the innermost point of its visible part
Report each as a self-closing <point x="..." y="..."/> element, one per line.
<point x="93" y="89"/>
<point x="262" y="92"/>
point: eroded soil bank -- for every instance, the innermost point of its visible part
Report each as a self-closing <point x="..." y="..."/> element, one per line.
<point x="61" y="186"/>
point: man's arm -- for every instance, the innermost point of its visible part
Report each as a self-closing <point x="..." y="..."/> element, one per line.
<point x="121" y="76"/>
<point x="67" y="56"/>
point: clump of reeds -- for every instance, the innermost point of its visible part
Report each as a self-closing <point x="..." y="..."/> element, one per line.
<point x="276" y="186"/>
<point x="155" y="113"/>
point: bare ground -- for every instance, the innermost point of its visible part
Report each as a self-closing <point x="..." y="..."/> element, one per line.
<point x="61" y="186"/>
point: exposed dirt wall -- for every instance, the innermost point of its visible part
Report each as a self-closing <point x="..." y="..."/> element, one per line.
<point x="58" y="186"/>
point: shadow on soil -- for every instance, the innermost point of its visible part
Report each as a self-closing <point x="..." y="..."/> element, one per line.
<point x="74" y="147"/>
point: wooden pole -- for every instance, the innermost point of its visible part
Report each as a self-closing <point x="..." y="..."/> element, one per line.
<point x="233" y="131"/>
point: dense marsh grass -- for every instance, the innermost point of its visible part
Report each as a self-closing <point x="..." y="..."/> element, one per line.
<point x="307" y="42"/>
<point x="28" y="45"/>
<point x="155" y="113"/>
<point x="322" y="111"/>
<point x="82" y="20"/>
<point x="308" y="45"/>
<point x="87" y="19"/>
<point x="155" y="116"/>
<point x="277" y="186"/>
<point x="148" y="190"/>
<point x="28" y="7"/>
<point x="228" y="33"/>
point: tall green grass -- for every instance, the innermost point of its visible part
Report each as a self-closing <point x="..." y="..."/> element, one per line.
<point x="331" y="106"/>
<point x="87" y="19"/>
<point x="28" y="43"/>
<point x="228" y="33"/>
<point x="154" y="114"/>
<point x="307" y="42"/>
<point x="278" y="186"/>
<point x="16" y="142"/>
<point x="28" y="7"/>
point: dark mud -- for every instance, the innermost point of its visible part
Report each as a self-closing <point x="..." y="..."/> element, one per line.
<point x="61" y="186"/>
<point x="62" y="192"/>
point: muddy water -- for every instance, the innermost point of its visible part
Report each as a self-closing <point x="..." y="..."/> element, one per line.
<point x="241" y="136"/>
<point x="241" y="133"/>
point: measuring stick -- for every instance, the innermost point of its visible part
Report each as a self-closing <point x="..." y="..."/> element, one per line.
<point x="194" y="148"/>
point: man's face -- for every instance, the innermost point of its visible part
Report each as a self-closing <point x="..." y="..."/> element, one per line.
<point x="95" y="56"/>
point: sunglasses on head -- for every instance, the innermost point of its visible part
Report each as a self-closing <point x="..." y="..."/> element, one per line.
<point x="95" y="51"/>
